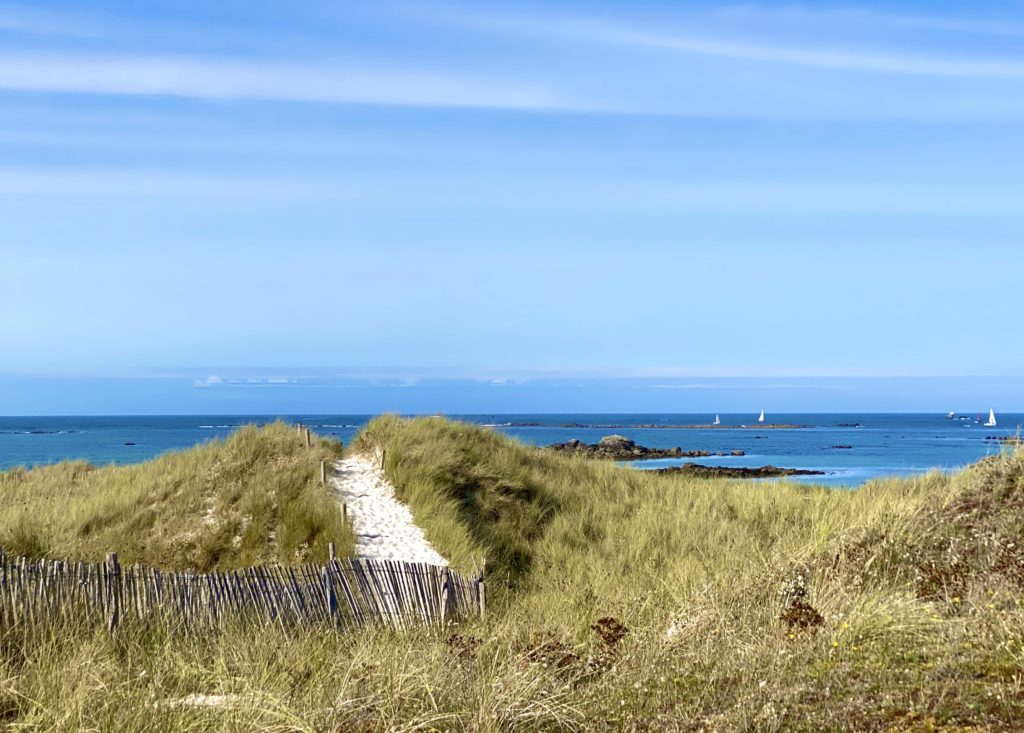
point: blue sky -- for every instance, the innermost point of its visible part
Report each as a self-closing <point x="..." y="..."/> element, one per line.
<point x="615" y="190"/>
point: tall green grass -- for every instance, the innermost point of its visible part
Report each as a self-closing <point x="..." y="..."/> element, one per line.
<point x="254" y="497"/>
<point x="541" y="518"/>
<point x="901" y="572"/>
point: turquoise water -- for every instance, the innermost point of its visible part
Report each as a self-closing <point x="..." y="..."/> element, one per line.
<point x="881" y="444"/>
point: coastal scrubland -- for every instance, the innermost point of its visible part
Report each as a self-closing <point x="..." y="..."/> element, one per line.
<point x="620" y="600"/>
<point x="254" y="497"/>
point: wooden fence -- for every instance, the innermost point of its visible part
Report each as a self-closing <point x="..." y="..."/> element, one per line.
<point x="343" y="593"/>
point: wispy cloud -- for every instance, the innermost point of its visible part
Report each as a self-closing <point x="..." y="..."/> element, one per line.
<point x="843" y="17"/>
<point x="111" y="181"/>
<point x="213" y="380"/>
<point x="767" y="62"/>
<point x="722" y="44"/>
<point x="208" y="78"/>
<point x="33" y="22"/>
<point x="442" y="190"/>
<point x="216" y="380"/>
<point x="859" y="60"/>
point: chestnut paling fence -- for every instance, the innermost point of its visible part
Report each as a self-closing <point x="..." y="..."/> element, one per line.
<point x="344" y="593"/>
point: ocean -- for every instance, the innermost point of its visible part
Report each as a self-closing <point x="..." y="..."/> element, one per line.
<point x="879" y="445"/>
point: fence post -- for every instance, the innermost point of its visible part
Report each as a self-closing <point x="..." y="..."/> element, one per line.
<point x="481" y="588"/>
<point x="383" y="457"/>
<point x="330" y="593"/>
<point x="445" y="591"/>
<point x="323" y="473"/>
<point x="344" y="513"/>
<point x="113" y="591"/>
<point x="331" y="552"/>
<point x="309" y="440"/>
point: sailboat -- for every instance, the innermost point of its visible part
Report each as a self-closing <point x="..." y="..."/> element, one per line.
<point x="718" y="420"/>
<point x="761" y="418"/>
<point x="991" y="419"/>
<point x="951" y="415"/>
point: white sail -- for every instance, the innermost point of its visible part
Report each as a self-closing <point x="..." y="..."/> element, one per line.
<point x="951" y="415"/>
<point x="718" y="420"/>
<point x="761" y="418"/>
<point x="991" y="419"/>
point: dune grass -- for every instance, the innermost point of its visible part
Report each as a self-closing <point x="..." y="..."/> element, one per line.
<point x="721" y="582"/>
<point x="254" y="497"/>
<point x="541" y="518"/>
<point x="621" y="601"/>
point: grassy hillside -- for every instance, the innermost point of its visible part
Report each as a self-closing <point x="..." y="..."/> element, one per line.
<point x="755" y="605"/>
<point x="541" y="518"/>
<point x="254" y="497"/>
<point x="623" y="601"/>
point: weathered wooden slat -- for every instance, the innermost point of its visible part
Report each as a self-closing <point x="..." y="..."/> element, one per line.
<point x="312" y="592"/>
<point x="338" y="576"/>
<point x="373" y="573"/>
<point x="361" y="569"/>
<point x="342" y="593"/>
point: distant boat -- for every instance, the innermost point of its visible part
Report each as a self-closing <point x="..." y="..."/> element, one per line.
<point x="951" y="415"/>
<point x="761" y="418"/>
<point x="991" y="419"/>
<point x="718" y="420"/>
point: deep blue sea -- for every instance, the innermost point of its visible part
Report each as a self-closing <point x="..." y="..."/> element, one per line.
<point x="881" y="444"/>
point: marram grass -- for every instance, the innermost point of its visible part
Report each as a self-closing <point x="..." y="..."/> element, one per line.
<point x="252" y="498"/>
<point x="621" y="601"/>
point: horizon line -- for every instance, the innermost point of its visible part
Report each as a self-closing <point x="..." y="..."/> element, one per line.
<point x="279" y="415"/>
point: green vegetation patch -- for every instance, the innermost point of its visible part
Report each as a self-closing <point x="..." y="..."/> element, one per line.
<point x="254" y="497"/>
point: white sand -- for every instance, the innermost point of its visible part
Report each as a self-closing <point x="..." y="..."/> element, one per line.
<point x="384" y="526"/>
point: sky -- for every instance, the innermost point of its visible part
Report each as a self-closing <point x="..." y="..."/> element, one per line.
<point x="492" y="194"/>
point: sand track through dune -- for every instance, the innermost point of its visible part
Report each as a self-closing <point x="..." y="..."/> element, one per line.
<point x="384" y="526"/>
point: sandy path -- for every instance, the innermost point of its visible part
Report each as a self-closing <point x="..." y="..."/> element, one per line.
<point x="384" y="526"/>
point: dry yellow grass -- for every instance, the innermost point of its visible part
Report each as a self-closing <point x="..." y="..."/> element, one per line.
<point x="623" y="601"/>
<point x="252" y="498"/>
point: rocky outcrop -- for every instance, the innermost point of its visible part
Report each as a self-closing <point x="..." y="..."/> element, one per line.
<point x="695" y="469"/>
<point x="1008" y="439"/>
<point x="621" y="448"/>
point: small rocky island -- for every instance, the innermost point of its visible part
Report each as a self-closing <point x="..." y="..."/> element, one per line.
<point x="620" y="448"/>
<point x="695" y="469"/>
<point x="1007" y="439"/>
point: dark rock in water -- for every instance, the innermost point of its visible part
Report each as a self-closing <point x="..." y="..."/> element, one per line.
<point x="620" y="448"/>
<point x="1008" y="439"/>
<point x="616" y="442"/>
<point x="737" y="453"/>
<point x="842" y="447"/>
<point x="128" y="442"/>
<point x="695" y="469"/>
<point x="848" y="425"/>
